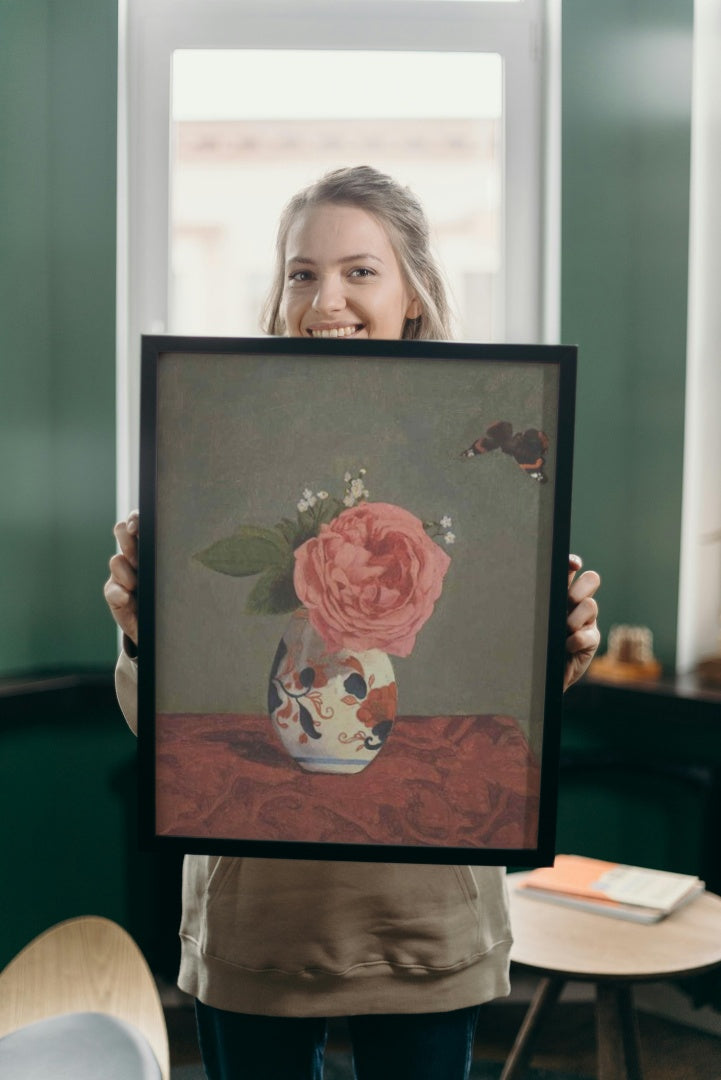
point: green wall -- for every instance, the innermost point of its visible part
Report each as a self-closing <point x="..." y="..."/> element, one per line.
<point x="626" y="145"/>
<point x="641" y="781"/>
<point x="68" y="802"/>
<point x="58" y="72"/>
<point x="67" y="771"/>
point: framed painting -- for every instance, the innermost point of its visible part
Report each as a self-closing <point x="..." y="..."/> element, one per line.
<point x="352" y="597"/>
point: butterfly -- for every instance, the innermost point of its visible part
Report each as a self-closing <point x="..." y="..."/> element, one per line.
<point x="527" y="447"/>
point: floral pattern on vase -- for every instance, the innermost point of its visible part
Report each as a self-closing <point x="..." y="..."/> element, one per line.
<point x="332" y="711"/>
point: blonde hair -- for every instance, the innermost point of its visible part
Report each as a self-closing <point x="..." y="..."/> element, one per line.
<point x="400" y="212"/>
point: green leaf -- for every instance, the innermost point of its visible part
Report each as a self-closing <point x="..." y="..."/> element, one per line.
<point x="310" y="521"/>
<point x="251" y="550"/>
<point x="273" y="594"/>
<point x="288" y="530"/>
<point x="330" y="509"/>
<point x="307" y="521"/>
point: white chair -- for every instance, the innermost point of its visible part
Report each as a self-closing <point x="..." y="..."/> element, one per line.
<point x="80" y="1002"/>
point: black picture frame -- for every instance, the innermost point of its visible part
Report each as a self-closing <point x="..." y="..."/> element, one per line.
<point x="242" y="440"/>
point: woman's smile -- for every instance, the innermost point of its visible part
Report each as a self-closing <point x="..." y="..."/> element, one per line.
<point x="335" y="331"/>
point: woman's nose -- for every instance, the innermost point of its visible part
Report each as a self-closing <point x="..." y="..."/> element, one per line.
<point x="329" y="296"/>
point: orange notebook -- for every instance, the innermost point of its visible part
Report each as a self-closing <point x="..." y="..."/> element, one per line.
<point x="631" y="892"/>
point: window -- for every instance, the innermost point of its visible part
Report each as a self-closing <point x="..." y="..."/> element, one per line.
<point x="235" y="161"/>
<point x="227" y="107"/>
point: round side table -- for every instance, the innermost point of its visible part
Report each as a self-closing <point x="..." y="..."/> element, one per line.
<point x="563" y="944"/>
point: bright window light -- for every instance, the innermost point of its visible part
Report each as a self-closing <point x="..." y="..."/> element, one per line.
<point x="251" y="127"/>
<point x="259" y="84"/>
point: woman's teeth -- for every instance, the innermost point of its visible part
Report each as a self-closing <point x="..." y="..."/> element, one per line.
<point x="337" y="331"/>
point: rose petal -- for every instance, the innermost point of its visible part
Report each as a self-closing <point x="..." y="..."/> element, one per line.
<point x="370" y="578"/>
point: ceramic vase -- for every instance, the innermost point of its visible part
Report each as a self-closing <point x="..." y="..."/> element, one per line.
<point x="332" y="711"/>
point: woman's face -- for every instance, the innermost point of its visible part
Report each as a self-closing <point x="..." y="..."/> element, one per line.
<point x="342" y="277"/>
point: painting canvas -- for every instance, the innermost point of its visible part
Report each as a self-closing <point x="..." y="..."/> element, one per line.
<point x="352" y="597"/>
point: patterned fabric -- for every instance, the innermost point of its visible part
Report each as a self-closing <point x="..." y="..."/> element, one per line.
<point x="462" y="781"/>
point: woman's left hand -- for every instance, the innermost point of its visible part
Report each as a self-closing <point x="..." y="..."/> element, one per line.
<point x="583" y="636"/>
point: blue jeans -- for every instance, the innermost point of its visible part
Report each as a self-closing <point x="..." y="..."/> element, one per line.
<point x="413" y="1046"/>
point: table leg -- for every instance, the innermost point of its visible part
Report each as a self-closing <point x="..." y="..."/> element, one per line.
<point x="617" y="1033"/>
<point x="545" y="997"/>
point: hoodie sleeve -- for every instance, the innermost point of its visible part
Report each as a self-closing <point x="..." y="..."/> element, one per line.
<point x="126" y="688"/>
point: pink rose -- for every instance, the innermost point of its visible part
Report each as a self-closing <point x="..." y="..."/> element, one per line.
<point x="370" y="578"/>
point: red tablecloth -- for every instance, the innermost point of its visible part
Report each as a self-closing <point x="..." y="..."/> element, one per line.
<point x="454" y="781"/>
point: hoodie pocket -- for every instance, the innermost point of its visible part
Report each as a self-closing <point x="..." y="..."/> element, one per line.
<point x="203" y="876"/>
<point x="334" y="917"/>
<point x="468" y="885"/>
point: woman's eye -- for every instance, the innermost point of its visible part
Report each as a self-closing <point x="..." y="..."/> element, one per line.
<point x="300" y="276"/>
<point x="362" y="272"/>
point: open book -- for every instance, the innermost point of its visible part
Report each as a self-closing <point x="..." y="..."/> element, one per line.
<point x="607" y="888"/>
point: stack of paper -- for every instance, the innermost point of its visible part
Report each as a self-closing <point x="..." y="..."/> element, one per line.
<point x="624" y="892"/>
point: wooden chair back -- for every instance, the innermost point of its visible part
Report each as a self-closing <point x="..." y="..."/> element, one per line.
<point x="87" y="964"/>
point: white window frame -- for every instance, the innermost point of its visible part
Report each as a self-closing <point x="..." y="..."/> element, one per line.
<point x="699" y="597"/>
<point x="526" y="34"/>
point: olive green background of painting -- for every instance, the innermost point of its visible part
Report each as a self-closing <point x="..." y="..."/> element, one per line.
<point x="239" y="438"/>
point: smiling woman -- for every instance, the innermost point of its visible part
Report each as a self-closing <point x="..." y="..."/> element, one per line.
<point x="334" y="294"/>
<point x="353" y="260"/>
<point x="272" y="947"/>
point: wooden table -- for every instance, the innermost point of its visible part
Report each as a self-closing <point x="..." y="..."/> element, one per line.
<point x="563" y="944"/>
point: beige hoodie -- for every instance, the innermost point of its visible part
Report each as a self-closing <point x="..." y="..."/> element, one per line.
<point x="297" y="938"/>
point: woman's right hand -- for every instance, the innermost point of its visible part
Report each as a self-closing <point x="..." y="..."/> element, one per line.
<point x="121" y="587"/>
